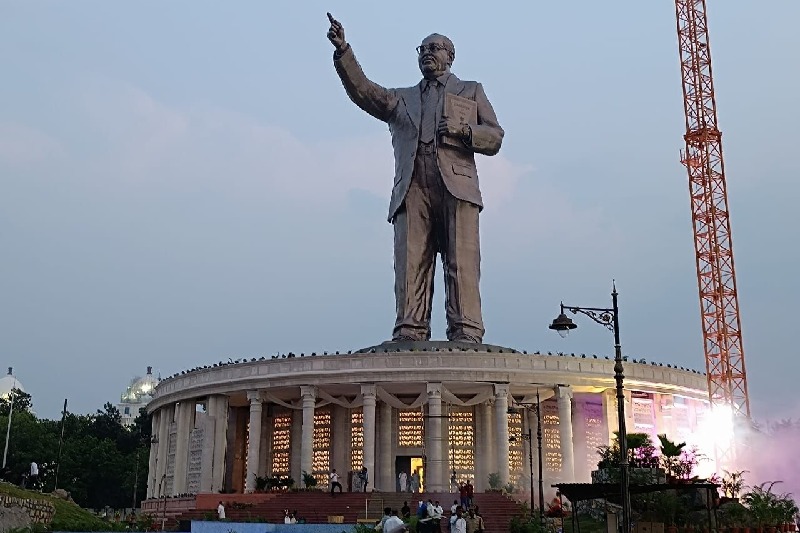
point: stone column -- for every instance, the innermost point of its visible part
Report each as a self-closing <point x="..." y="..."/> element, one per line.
<point x="610" y="413"/>
<point x="308" y="395"/>
<point x="433" y="440"/>
<point x="385" y="460"/>
<point x="218" y="408"/>
<point x="185" y="420"/>
<point x="564" y="399"/>
<point x="662" y="422"/>
<point x="501" y="430"/>
<point x="295" y="444"/>
<point x="267" y="424"/>
<point x="446" y="463"/>
<point x="534" y="448"/>
<point x="165" y="419"/>
<point x="369" y="393"/>
<point x="340" y="457"/>
<point x="254" y="441"/>
<point x="151" y="468"/>
<point x="489" y="454"/>
<point x="527" y="449"/>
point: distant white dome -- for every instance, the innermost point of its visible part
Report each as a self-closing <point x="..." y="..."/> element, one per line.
<point x="8" y="382"/>
<point x="141" y="389"/>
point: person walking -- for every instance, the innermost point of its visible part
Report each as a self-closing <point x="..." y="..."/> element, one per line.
<point x="474" y="522"/>
<point x="221" y="511"/>
<point x="402" y="479"/>
<point x="415" y="481"/>
<point x="457" y="522"/>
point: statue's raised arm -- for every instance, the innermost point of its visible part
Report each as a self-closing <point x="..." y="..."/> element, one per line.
<point x="376" y="100"/>
<point x="336" y="34"/>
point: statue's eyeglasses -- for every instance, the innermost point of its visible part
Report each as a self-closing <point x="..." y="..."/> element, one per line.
<point x="431" y="47"/>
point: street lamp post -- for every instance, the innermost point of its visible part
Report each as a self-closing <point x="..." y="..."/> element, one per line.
<point x="529" y="437"/>
<point x="608" y="318"/>
<point x="539" y="444"/>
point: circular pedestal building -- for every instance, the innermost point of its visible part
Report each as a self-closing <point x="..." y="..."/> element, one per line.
<point x="440" y="409"/>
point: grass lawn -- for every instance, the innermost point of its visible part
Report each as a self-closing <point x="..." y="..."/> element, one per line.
<point x="68" y="516"/>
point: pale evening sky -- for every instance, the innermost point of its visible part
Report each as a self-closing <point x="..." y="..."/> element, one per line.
<point x="184" y="182"/>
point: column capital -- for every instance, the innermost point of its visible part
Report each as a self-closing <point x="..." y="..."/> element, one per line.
<point x="254" y="396"/>
<point x="564" y="392"/>
<point x="501" y="391"/>
<point x="308" y="392"/>
<point x="434" y="391"/>
<point x="369" y="392"/>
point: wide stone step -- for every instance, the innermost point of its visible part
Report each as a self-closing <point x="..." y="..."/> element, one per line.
<point x="317" y="507"/>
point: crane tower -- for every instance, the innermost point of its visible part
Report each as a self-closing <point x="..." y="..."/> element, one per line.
<point x="702" y="157"/>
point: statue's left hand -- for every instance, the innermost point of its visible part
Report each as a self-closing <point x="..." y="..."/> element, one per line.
<point x="451" y="128"/>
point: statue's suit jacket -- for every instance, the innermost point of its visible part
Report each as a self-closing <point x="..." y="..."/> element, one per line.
<point x="402" y="110"/>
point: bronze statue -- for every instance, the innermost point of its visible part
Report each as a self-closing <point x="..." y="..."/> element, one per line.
<point x="437" y="126"/>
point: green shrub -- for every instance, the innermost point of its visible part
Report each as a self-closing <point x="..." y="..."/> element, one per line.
<point x="525" y="525"/>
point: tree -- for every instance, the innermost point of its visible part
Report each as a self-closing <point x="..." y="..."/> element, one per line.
<point x="670" y="455"/>
<point x="22" y="402"/>
<point x="100" y="457"/>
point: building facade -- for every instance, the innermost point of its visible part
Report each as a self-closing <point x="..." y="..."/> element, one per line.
<point x="472" y="412"/>
<point x="136" y="397"/>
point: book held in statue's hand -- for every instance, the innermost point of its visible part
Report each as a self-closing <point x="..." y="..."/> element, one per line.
<point x="462" y="110"/>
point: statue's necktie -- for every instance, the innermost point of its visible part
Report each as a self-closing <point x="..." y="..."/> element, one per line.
<point x="430" y="98"/>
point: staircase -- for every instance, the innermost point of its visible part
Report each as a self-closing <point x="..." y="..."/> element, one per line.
<point x="315" y="507"/>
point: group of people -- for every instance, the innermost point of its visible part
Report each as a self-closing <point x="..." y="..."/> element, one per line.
<point x="289" y="517"/>
<point x="430" y="515"/>
<point x="408" y="483"/>
<point x="465" y="490"/>
<point x="359" y="481"/>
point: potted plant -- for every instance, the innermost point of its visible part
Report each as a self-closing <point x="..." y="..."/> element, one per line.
<point x="666" y="507"/>
<point x="642" y="461"/>
<point x="309" y="480"/>
<point x="732" y="484"/>
<point x="735" y="516"/>
<point x="495" y="483"/>
<point x="785" y="509"/>
<point x="261" y="483"/>
<point x="763" y="506"/>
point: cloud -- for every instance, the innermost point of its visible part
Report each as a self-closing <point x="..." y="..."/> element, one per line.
<point x="205" y="146"/>
<point x="21" y="145"/>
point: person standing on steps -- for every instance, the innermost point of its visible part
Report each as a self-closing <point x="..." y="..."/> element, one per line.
<point x="335" y="482"/>
<point x="363" y="476"/>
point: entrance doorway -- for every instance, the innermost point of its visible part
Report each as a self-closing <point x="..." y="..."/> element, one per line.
<point x="409" y="464"/>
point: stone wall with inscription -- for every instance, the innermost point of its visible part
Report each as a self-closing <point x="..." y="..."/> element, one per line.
<point x="196" y="441"/>
<point x="171" y="447"/>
